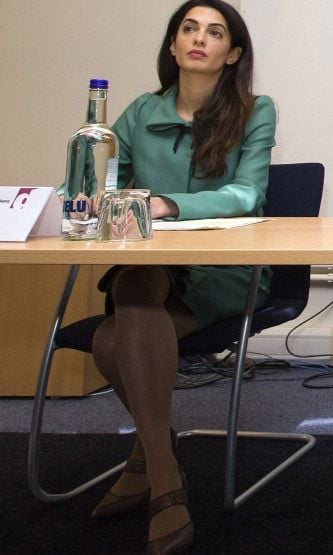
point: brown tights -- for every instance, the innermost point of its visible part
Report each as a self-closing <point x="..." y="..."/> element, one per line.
<point x="136" y="350"/>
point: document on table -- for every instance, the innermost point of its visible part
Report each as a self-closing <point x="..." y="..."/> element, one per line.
<point x="211" y="223"/>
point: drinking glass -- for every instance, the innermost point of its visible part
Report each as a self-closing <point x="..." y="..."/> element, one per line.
<point x="124" y="215"/>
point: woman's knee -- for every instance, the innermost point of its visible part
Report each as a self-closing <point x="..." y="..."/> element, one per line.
<point x="103" y="346"/>
<point x="141" y="285"/>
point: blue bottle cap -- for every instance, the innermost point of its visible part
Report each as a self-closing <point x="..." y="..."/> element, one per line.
<point x="99" y="84"/>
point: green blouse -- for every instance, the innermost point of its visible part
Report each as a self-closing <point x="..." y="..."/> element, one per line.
<point x="156" y="153"/>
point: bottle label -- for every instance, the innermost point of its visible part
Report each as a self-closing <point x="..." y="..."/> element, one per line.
<point x="111" y="174"/>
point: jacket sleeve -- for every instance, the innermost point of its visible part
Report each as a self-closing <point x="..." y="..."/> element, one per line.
<point x="245" y="194"/>
<point x="123" y="128"/>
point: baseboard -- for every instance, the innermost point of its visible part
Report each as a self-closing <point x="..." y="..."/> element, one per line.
<point x="305" y="343"/>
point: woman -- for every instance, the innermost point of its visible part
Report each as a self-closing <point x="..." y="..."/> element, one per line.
<point x="202" y="145"/>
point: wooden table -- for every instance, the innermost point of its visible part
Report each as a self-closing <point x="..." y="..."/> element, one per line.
<point x="31" y="283"/>
<point x="276" y="241"/>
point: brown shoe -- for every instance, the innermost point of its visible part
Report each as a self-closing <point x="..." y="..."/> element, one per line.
<point x="113" y="504"/>
<point x="178" y="541"/>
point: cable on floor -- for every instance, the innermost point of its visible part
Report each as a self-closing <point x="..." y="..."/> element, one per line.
<point x="196" y="371"/>
<point x="308" y="381"/>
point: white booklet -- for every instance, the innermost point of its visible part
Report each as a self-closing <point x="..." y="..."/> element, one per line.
<point x="26" y="211"/>
<point x="211" y="223"/>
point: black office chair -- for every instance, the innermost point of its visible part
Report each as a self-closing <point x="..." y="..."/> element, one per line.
<point x="294" y="190"/>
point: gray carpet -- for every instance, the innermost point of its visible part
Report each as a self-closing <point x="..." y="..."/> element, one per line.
<point x="271" y="401"/>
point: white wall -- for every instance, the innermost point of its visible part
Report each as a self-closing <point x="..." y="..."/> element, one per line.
<point x="48" y="52"/>
<point x="49" y="49"/>
<point x="293" y="43"/>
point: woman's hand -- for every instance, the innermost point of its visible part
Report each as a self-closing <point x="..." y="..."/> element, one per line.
<point x="162" y="207"/>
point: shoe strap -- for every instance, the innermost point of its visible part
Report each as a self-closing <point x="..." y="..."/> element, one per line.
<point x="176" y="497"/>
<point x="135" y="467"/>
<point x="139" y="467"/>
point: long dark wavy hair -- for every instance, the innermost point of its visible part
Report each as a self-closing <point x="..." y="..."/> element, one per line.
<point x="219" y="124"/>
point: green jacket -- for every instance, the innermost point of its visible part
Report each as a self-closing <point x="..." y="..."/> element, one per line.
<point x="156" y="153"/>
<point x="149" y="131"/>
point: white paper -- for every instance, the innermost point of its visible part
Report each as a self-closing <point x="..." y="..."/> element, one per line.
<point x="211" y="223"/>
<point x="28" y="211"/>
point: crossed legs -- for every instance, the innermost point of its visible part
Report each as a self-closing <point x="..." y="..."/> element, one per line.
<point x="136" y="350"/>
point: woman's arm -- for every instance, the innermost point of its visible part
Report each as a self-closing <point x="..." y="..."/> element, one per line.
<point x="123" y="128"/>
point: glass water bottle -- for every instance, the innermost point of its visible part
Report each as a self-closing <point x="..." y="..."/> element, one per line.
<point x="92" y="167"/>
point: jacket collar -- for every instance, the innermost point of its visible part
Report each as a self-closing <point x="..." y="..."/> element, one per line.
<point x="164" y="115"/>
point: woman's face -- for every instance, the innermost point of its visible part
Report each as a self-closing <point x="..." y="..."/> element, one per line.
<point x="202" y="43"/>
